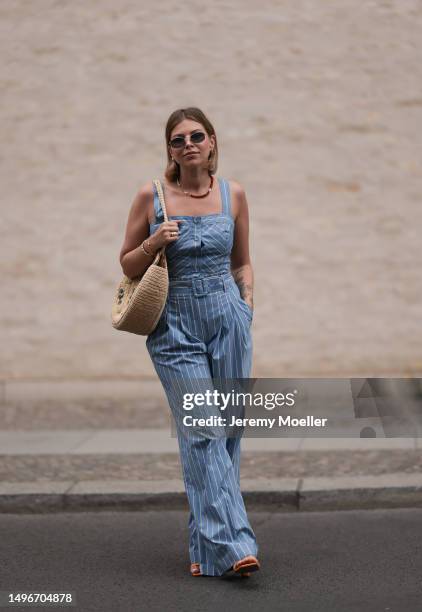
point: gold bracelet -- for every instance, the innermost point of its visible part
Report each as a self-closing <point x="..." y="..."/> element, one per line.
<point x="145" y="251"/>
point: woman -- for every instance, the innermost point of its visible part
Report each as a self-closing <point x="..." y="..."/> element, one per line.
<point x="204" y="331"/>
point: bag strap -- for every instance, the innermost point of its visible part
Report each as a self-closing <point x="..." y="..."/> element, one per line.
<point x="160" y="254"/>
<point x="159" y="188"/>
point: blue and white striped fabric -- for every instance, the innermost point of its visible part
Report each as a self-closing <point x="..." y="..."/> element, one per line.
<point x="204" y="334"/>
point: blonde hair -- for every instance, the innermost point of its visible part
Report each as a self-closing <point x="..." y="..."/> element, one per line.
<point x="172" y="171"/>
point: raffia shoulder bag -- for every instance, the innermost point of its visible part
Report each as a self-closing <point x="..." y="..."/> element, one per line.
<point x="139" y="302"/>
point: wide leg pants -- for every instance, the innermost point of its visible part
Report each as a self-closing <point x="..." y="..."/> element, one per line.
<point x="203" y="335"/>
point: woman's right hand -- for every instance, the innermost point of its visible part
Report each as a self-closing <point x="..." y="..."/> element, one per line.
<point x="163" y="234"/>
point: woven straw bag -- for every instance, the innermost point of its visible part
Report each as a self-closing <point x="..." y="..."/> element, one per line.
<point x="139" y="302"/>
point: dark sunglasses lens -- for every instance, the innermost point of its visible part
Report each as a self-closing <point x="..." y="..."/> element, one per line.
<point x="177" y="142"/>
<point x="198" y="137"/>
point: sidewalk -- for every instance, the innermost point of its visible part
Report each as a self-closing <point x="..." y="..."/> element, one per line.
<point x="69" y="470"/>
<point x="112" y="452"/>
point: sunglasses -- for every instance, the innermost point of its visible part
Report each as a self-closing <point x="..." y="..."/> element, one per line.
<point x="179" y="141"/>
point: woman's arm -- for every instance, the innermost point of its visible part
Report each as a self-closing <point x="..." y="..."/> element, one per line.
<point x="133" y="260"/>
<point x="241" y="266"/>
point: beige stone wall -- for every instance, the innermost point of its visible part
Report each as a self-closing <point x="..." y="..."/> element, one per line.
<point x="318" y="109"/>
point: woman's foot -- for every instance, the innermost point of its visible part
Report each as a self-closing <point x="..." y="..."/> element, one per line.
<point x="195" y="569"/>
<point x="245" y="566"/>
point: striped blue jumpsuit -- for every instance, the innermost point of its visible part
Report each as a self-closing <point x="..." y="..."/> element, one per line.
<point x="203" y="334"/>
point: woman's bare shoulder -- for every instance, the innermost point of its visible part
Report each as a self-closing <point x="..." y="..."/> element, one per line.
<point x="238" y="196"/>
<point x="143" y="202"/>
<point x="236" y="187"/>
<point x="146" y="191"/>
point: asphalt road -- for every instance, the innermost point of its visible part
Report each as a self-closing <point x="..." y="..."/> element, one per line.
<point x="134" y="561"/>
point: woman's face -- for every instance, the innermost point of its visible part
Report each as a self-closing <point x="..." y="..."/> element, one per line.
<point x="191" y="153"/>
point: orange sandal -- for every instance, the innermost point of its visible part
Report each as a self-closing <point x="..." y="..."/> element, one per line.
<point x="245" y="566"/>
<point x="195" y="569"/>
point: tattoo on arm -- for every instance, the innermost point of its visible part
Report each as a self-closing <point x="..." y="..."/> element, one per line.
<point x="246" y="290"/>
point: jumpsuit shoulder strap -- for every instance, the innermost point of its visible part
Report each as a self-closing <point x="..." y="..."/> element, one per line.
<point x="158" y="211"/>
<point x="225" y="195"/>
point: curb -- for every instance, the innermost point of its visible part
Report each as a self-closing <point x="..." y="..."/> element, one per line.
<point x="397" y="490"/>
<point x="155" y="441"/>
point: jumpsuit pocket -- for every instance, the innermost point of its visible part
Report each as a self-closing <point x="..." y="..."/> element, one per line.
<point x="244" y="305"/>
<point x="189" y="317"/>
<point x="247" y="308"/>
